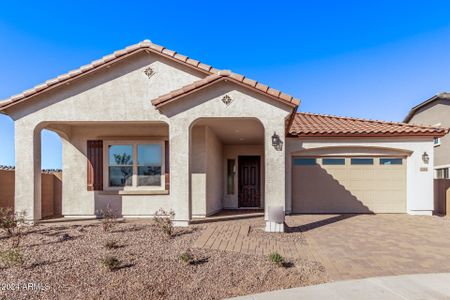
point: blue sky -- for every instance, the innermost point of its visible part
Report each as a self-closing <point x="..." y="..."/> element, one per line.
<point x="353" y="58"/>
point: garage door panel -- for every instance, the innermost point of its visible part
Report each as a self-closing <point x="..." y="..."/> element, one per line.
<point x="349" y="188"/>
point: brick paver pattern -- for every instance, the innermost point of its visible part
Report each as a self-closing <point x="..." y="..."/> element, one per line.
<point x="349" y="246"/>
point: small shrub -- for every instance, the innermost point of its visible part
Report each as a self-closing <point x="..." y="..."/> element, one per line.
<point x="111" y="263"/>
<point x="186" y="257"/>
<point x="109" y="218"/>
<point x="277" y="259"/>
<point x="111" y="244"/>
<point x="10" y="222"/>
<point x="11" y="257"/>
<point x="65" y="237"/>
<point x="164" y="221"/>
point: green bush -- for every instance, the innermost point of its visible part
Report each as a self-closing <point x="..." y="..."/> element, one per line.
<point x="163" y="220"/>
<point x="111" y="244"/>
<point x="111" y="263"/>
<point x="10" y="222"/>
<point x="277" y="259"/>
<point x="187" y="257"/>
<point x="109" y="218"/>
<point x="11" y="257"/>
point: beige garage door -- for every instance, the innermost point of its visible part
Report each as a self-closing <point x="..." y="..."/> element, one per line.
<point x="349" y="185"/>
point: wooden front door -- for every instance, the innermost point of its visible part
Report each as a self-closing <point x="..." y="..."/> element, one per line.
<point x="249" y="181"/>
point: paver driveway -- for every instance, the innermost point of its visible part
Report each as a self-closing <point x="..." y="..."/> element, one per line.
<point x="358" y="246"/>
<point x="349" y="246"/>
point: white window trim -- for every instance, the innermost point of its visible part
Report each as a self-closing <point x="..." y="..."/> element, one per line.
<point x="134" y="187"/>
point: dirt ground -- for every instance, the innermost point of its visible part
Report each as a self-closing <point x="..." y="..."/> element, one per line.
<point x="64" y="261"/>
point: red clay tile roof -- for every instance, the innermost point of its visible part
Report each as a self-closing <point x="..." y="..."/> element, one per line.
<point x="315" y="125"/>
<point x="145" y="45"/>
<point x="222" y="76"/>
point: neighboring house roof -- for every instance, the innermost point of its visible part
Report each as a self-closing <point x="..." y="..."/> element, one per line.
<point x="225" y="76"/>
<point x="315" y="125"/>
<point x="412" y="112"/>
<point x="145" y="45"/>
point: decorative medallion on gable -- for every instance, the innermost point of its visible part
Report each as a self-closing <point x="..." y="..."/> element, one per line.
<point x="227" y="100"/>
<point x="149" y="72"/>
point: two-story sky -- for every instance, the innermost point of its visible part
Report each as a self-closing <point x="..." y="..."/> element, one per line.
<point x="354" y="58"/>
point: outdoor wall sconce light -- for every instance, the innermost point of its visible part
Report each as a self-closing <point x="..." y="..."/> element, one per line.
<point x="277" y="143"/>
<point x="425" y="157"/>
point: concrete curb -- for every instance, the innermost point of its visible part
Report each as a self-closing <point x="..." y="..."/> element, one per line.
<point x="419" y="286"/>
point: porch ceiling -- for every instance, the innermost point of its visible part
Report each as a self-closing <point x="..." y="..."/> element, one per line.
<point x="236" y="131"/>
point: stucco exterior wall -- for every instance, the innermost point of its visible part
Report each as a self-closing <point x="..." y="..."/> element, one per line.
<point x="119" y="93"/>
<point x="232" y="152"/>
<point x="419" y="174"/>
<point x="198" y="171"/>
<point x="437" y="112"/>
<point x="214" y="173"/>
<point x="77" y="200"/>
<point x="208" y="104"/>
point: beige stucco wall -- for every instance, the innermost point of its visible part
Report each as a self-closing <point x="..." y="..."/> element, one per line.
<point x="123" y="93"/>
<point x="232" y="152"/>
<point x="77" y="200"/>
<point x="214" y="172"/>
<point x="419" y="174"/>
<point x="208" y="104"/>
<point x="437" y="112"/>
<point x="120" y="93"/>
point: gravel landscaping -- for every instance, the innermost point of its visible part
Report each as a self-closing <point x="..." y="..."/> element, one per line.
<point x="66" y="261"/>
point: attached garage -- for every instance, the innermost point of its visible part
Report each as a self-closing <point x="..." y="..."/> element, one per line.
<point x="349" y="184"/>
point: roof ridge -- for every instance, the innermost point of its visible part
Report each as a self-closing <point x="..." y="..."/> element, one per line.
<point x="370" y="120"/>
<point x="145" y="44"/>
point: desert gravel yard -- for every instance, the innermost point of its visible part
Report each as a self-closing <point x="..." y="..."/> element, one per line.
<point x="66" y="260"/>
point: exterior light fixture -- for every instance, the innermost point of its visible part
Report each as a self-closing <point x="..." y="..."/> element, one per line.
<point x="425" y="157"/>
<point x="277" y="143"/>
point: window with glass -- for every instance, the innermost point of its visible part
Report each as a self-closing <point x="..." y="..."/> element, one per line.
<point x="120" y="165"/>
<point x="305" y="161"/>
<point x="442" y="173"/>
<point x="231" y="166"/>
<point x="149" y="165"/>
<point x="436" y="141"/>
<point x="362" y="161"/>
<point x="333" y="161"/>
<point x="391" y="161"/>
<point x="135" y="165"/>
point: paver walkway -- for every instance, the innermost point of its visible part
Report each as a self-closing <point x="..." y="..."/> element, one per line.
<point x="234" y="236"/>
<point x="349" y="246"/>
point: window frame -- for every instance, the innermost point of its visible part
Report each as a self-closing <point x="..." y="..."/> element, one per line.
<point x="352" y="159"/>
<point x="302" y="158"/>
<point x="391" y="158"/>
<point x="134" y="178"/>
<point x="334" y="158"/>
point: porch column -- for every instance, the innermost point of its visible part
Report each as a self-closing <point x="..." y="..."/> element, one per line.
<point x="274" y="172"/>
<point x="28" y="171"/>
<point x="179" y="171"/>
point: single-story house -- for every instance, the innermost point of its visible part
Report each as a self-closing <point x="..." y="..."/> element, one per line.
<point x="435" y="111"/>
<point x="146" y="128"/>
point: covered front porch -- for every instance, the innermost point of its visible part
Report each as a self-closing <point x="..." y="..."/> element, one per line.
<point x="226" y="165"/>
